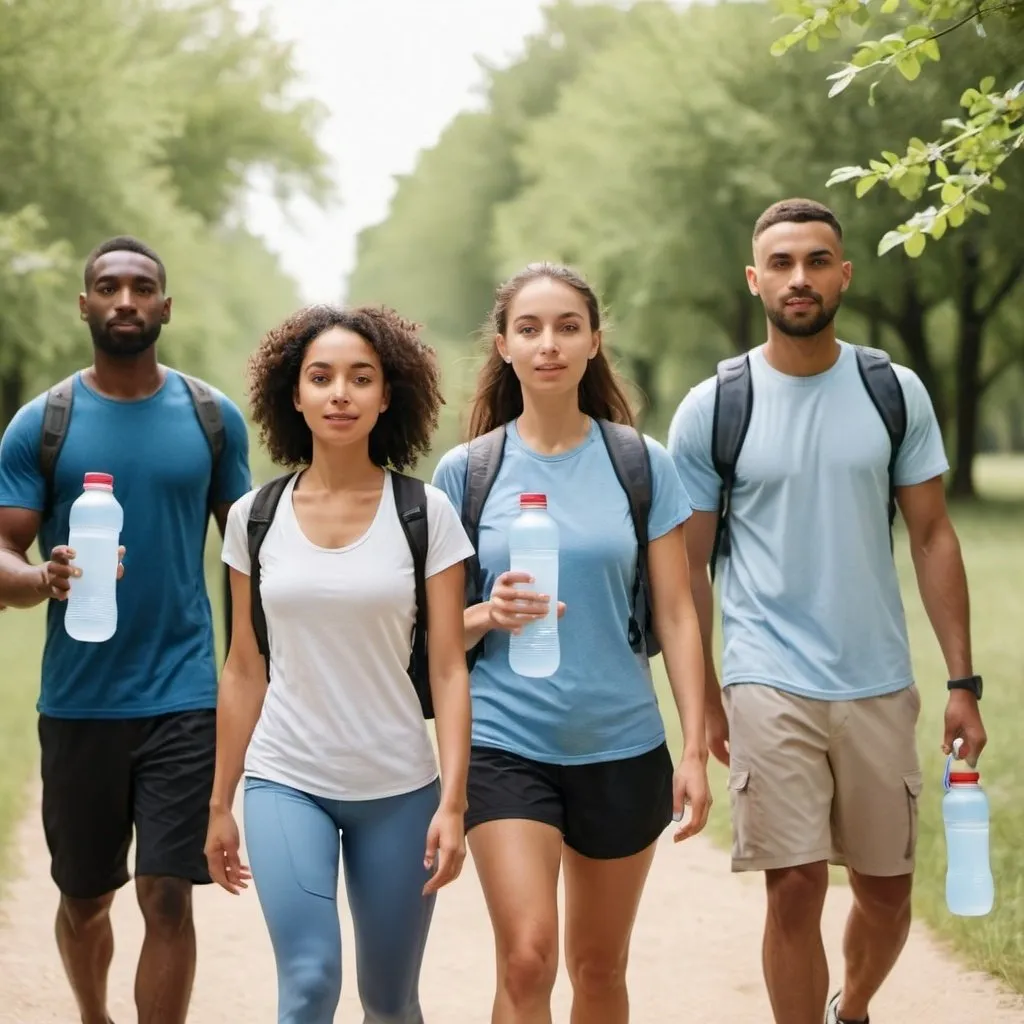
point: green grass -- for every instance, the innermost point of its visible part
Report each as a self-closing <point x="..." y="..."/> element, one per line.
<point x="992" y="537"/>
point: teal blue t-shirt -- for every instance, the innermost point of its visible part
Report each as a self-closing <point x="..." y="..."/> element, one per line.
<point x="810" y="597"/>
<point x="600" y="705"/>
<point x="161" y="659"/>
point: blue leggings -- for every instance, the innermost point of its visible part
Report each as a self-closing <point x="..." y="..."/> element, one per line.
<point x="293" y="842"/>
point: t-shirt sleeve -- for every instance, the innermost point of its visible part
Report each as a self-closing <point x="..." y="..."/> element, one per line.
<point x="670" y="504"/>
<point x="235" y="549"/>
<point x="450" y="474"/>
<point x="233" y="476"/>
<point x="689" y="444"/>
<point x="21" y="482"/>
<point x="447" y="541"/>
<point x="922" y="454"/>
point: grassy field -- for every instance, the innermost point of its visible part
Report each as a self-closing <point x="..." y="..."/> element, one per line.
<point x="992" y="535"/>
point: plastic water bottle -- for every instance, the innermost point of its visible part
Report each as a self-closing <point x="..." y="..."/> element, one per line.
<point x="970" y="891"/>
<point x="533" y="549"/>
<point x="95" y="530"/>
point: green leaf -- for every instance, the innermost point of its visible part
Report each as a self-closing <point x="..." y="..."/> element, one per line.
<point x="780" y="46"/>
<point x="978" y="206"/>
<point x="941" y="169"/>
<point x="890" y="6"/>
<point x="915" y="145"/>
<point x="861" y="17"/>
<point x="813" y="43"/>
<point x="969" y="98"/>
<point x="891" y="157"/>
<point x="956" y="215"/>
<point x="939" y="226"/>
<point x="877" y="165"/>
<point x="951" y="193"/>
<point x="988" y="83"/>
<point x="890" y="240"/>
<point x="930" y="49"/>
<point x="865" y="185"/>
<point x="830" y="31"/>
<point x="914" y="245"/>
<point x="999" y="185"/>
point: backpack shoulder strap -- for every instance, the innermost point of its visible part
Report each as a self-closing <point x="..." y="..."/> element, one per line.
<point x="484" y="456"/>
<point x="261" y="515"/>
<point x="631" y="460"/>
<point x="886" y="392"/>
<point x="734" y="400"/>
<point x="411" y="503"/>
<point x="209" y="414"/>
<point x="56" y="416"/>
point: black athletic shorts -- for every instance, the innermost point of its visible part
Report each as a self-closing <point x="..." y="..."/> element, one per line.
<point x="105" y="778"/>
<point x="606" y="810"/>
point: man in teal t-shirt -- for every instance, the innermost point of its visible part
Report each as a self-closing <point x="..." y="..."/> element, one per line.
<point x="819" y="705"/>
<point x="126" y="727"/>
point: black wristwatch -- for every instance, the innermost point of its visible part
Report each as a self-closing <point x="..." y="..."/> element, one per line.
<point x="970" y="683"/>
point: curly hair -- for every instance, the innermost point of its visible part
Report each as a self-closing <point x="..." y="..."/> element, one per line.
<point x="499" y="395"/>
<point x="404" y="430"/>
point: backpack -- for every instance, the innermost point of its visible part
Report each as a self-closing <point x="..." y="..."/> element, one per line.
<point x="57" y="416"/>
<point x="411" y="502"/>
<point x="734" y="398"/>
<point x="631" y="461"/>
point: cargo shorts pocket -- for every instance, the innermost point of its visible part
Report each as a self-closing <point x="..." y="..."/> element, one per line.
<point x="913" y="783"/>
<point x="739" y="803"/>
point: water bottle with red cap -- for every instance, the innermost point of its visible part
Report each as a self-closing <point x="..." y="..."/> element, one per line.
<point x="970" y="891"/>
<point x="533" y="549"/>
<point x="95" y="530"/>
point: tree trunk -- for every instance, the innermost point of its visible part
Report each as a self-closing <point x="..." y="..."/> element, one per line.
<point x="968" y="380"/>
<point x="911" y="327"/>
<point x="643" y="378"/>
<point x="744" y="312"/>
<point x="12" y="387"/>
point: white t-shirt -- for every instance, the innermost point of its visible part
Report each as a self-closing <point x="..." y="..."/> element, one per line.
<point x="341" y="719"/>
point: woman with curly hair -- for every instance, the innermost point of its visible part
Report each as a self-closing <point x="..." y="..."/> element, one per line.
<point x="572" y="773"/>
<point x="335" y="751"/>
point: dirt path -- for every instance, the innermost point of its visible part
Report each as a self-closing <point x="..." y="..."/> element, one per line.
<point x="696" y="955"/>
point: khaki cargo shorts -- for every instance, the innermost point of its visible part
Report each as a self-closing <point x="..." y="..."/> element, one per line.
<point x="814" y="780"/>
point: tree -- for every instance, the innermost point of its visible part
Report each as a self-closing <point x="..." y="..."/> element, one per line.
<point x="135" y="116"/>
<point x="967" y="160"/>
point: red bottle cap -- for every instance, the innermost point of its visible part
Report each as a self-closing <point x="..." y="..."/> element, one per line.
<point x="533" y="501"/>
<point x="963" y="777"/>
<point x="99" y="480"/>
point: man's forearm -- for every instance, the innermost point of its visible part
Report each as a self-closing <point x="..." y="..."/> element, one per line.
<point x="942" y="582"/>
<point x="704" y="603"/>
<point x="21" y="584"/>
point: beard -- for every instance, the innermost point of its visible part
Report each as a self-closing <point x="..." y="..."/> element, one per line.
<point x="123" y="346"/>
<point x="805" y="328"/>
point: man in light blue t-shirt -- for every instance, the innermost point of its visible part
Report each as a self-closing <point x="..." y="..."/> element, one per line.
<point x="127" y="727"/>
<point x="818" y="709"/>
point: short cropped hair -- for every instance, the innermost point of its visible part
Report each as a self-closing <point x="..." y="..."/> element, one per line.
<point x="796" y="211"/>
<point x="123" y="243"/>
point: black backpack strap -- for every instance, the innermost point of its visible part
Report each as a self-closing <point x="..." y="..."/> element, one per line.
<point x="56" y="417"/>
<point x="734" y="400"/>
<point x="210" y="417"/>
<point x="483" y="460"/>
<point x="261" y="515"/>
<point x="631" y="460"/>
<point x="411" y="502"/>
<point x="885" y="391"/>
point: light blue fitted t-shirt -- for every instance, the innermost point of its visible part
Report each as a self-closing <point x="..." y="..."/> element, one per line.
<point x="600" y="705"/>
<point x="810" y="596"/>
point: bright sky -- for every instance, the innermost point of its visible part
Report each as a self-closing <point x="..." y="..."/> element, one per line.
<point x="392" y="73"/>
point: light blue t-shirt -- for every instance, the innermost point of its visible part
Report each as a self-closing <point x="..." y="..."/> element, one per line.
<point x="600" y="705"/>
<point x="810" y="596"/>
<point x="161" y="659"/>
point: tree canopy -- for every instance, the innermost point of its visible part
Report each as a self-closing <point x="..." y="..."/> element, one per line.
<point x="145" y="118"/>
<point x="647" y="171"/>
